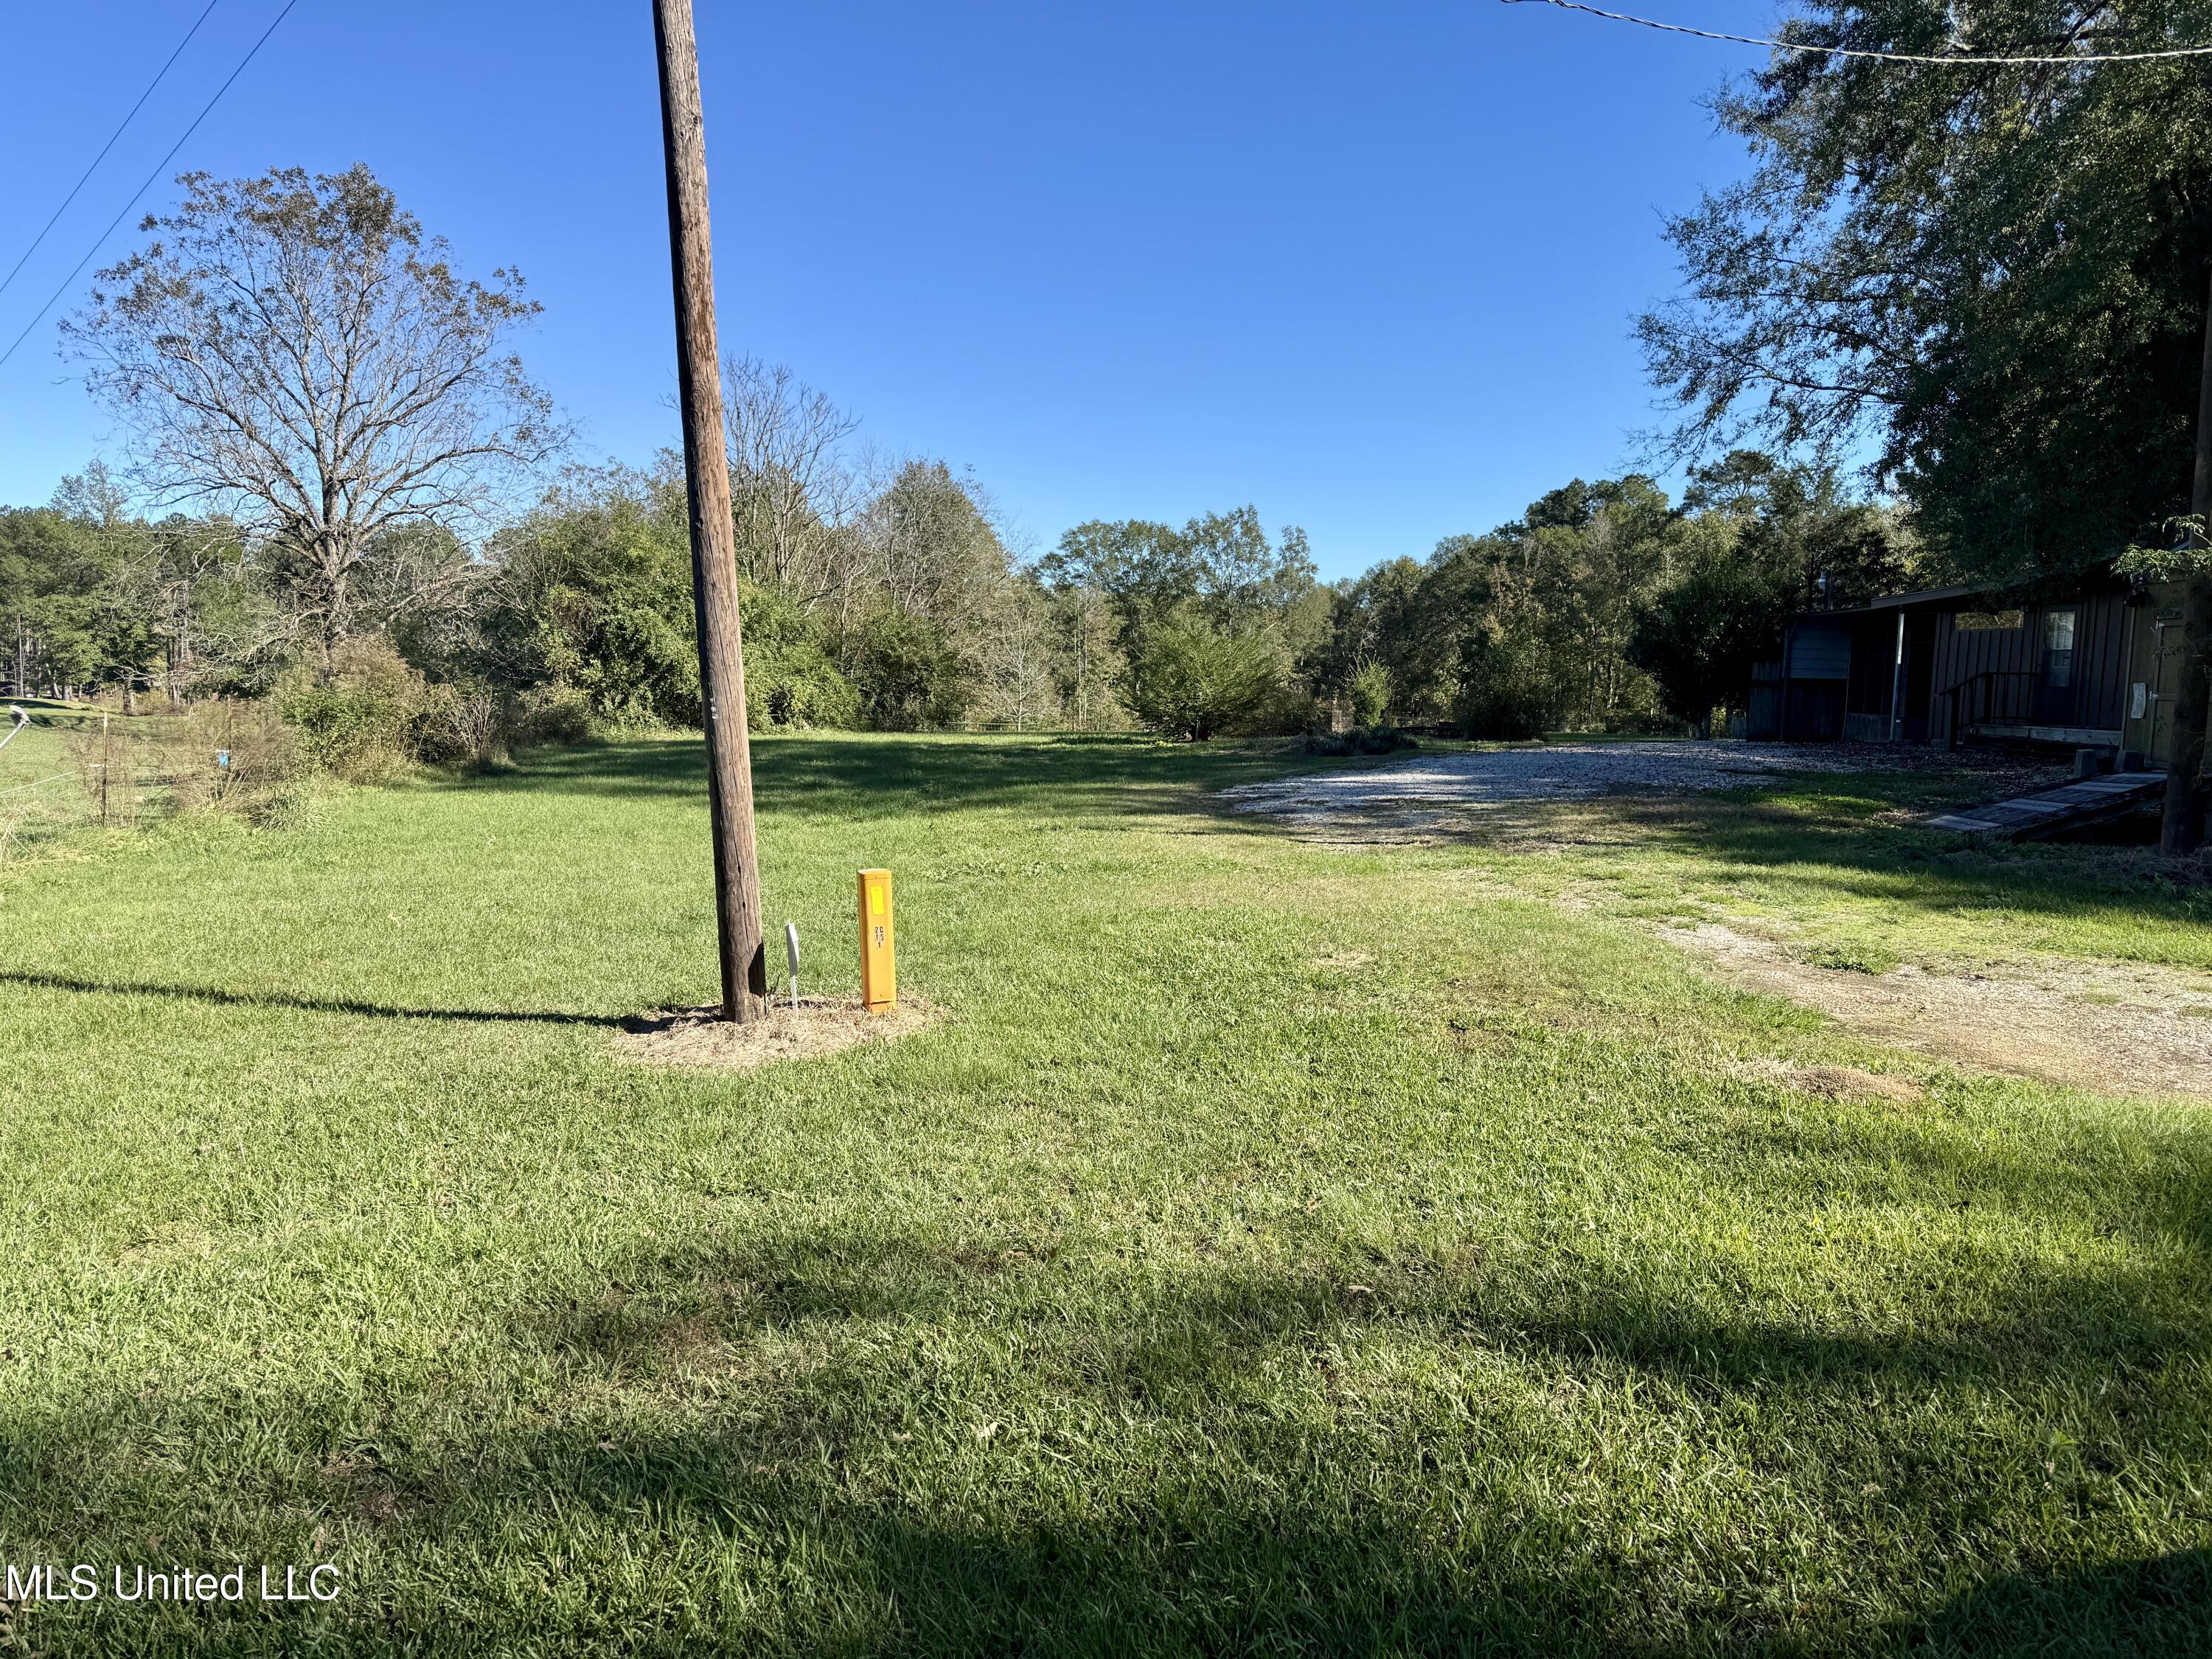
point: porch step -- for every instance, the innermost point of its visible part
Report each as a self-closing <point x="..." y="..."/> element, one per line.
<point x="2054" y="811"/>
<point x="2064" y="737"/>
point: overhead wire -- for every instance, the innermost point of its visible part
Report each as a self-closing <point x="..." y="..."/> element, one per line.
<point x="1810" y="49"/>
<point x="159" y="166"/>
<point x="158" y="78"/>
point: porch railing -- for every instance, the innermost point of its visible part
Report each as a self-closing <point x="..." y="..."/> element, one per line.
<point x="1997" y="694"/>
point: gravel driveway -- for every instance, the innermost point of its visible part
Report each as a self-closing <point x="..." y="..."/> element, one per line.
<point x="1555" y="772"/>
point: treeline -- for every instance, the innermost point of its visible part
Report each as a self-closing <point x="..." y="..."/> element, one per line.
<point x="357" y="561"/>
<point x="887" y="596"/>
<point x="1605" y="606"/>
<point x="875" y="594"/>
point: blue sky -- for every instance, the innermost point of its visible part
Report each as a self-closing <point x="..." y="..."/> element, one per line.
<point x="1370" y="267"/>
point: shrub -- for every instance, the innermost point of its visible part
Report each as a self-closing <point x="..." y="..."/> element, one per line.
<point x="1647" y="725"/>
<point x="461" y="726"/>
<point x="1288" y="711"/>
<point x="1361" y="740"/>
<point x="550" y="714"/>
<point x="907" y="676"/>
<point x="796" y="684"/>
<point x="234" y="756"/>
<point x="641" y="670"/>
<point x="1190" y="679"/>
<point x="358" y="722"/>
<point x="1369" y="691"/>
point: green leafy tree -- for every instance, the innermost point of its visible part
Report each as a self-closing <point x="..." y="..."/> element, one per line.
<point x="1192" y="677"/>
<point x="1757" y="542"/>
<point x="1700" y="636"/>
<point x="1200" y="612"/>
<point x="592" y="592"/>
<point x="1369" y="694"/>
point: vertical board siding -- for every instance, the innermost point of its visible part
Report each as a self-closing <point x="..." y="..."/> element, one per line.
<point x="2100" y="661"/>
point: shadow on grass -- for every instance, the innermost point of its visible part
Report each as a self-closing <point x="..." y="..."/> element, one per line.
<point x="217" y="997"/>
<point x="1843" y="833"/>
<point x="881" y="1442"/>
<point x="1276" y="1504"/>
<point x="1839" y="831"/>
<point x="2125" y="1610"/>
<point x="872" y="774"/>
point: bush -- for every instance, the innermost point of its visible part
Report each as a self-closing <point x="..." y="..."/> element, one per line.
<point x="357" y="722"/>
<point x="550" y="714"/>
<point x="267" y="779"/>
<point x="797" y="685"/>
<point x="1361" y="740"/>
<point x="1289" y="711"/>
<point x="906" y="675"/>
<point x="373" y="715"/>
<point x="462" y="726"/>
<point x="1647" y="725"/>
<point x="1191" y="680"/>
<point x="640" y="669"/>
<point x="1369" y="691"/>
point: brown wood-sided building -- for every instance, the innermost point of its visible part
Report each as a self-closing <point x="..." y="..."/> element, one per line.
<point x="2095" y="664"/>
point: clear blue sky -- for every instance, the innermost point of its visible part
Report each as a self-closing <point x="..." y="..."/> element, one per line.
<point x="1370" y="267"/>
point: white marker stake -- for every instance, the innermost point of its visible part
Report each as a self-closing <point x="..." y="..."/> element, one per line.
<point x="790" y="949"/>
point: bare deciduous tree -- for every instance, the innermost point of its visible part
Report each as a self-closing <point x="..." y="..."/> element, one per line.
<point x="1015" y="657"/>
<point x="932" y="540"/>
<point x="295" y="354"/>
<point x="791" y="489"/>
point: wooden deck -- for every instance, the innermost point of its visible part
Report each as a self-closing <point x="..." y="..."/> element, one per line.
<point x="2064" y="737"/>
<point x="2054" y="811"/>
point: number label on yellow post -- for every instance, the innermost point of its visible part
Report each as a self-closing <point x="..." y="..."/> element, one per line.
<point x="878" y="947"/>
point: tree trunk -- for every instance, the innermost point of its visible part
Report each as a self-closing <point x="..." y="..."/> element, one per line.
<point x="2184" y="823"/>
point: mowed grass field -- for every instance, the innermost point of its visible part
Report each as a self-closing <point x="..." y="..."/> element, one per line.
<point x="1277" y="1249"/>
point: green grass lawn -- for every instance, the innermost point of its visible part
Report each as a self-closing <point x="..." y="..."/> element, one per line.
<point x="43" y="801"/>
<point x="1278" y="1248"/>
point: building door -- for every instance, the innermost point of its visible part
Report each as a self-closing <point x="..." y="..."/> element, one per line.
<point x="2167" y="659"/>
<point x="2054" y="696"/>
<point x="1919" y="676"/>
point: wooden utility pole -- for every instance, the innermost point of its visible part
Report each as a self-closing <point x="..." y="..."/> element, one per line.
<point x="2183" y="819"/>
<point x="714" y="533"/>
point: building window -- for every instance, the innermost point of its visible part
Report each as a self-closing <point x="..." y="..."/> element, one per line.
<point x="2058" y="648"/>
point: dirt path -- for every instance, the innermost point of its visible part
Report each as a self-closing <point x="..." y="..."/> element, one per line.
<point x="1549" y="772"/>
<point x="2121" y="1028"/>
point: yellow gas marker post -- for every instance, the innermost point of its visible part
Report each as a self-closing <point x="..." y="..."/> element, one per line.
<point x="879" y="951"/>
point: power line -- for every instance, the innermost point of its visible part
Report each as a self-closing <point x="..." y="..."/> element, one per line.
<point x="109" y="145"/>
<point x="55" y="298"/>
<point x="1881" y="56"/>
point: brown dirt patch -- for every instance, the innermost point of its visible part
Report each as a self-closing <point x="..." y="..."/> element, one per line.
<point x="818" y="1026"/>
<point x="2120" y="1028"/>
<point x="1839" y="1082"/>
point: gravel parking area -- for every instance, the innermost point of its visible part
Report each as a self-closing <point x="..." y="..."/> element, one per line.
<point x="1561" y="772"/>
